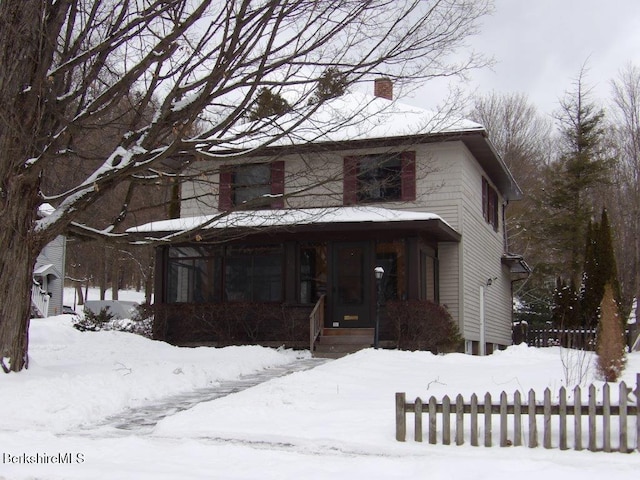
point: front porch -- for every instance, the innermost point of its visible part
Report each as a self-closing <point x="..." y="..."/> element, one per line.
<point x="262" y="286"/>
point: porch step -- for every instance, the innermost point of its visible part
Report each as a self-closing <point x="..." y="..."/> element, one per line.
<point x="326" y="332"/>
<point x="337" y="342"/>
<point x="346" y="340"/>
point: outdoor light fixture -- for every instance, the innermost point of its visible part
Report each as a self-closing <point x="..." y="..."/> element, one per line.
<point x="379" y="273"/>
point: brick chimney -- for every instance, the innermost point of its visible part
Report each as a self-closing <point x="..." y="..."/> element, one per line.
<point x="383" y="88"/>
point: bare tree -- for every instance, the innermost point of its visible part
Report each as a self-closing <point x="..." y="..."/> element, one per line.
<point x="524" y="140"/>
<point x="72" y="63"/>
<point x="626" y="215"/>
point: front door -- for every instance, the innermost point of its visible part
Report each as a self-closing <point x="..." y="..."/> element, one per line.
<point x="351" y="285"/>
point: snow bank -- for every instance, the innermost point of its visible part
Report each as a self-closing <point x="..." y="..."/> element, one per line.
<point x="78" y="378"/>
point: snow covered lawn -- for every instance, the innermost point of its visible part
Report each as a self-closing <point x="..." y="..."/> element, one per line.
<point x="333" y="422"/>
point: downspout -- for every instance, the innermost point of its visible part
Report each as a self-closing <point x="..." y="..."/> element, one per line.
<point x="481" y="347"/>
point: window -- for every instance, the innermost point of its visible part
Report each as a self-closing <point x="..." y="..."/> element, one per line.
<point x="380" y="178"/>
<point x="391" y="257"/>
<point x="194" y="275"/>
<point x="428" y="276"/>
<point x="313" y="272"/>
<point x="252" y="185"/>
<point x="202" y="274"/>
<point x="253" y="274"/>
<point x="489" y="204"/>
<point x="251" y="182"/>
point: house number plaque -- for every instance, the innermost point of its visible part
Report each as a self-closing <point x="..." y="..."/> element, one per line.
<point x="350" y="317"/>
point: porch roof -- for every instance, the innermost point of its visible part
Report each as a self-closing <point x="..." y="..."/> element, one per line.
<point x="309" y="219"/>
<point x="46" y="269"/>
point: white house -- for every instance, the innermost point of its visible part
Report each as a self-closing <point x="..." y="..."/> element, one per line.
<point x="304" y="222"/>
<point x="48" y="275"/>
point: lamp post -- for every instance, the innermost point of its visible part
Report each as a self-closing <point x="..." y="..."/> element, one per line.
<point x="379" y="273"/>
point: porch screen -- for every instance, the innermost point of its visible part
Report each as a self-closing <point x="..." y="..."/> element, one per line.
<point x="232" y="274"/>
<point x="194" y="275"/>
<point x="253" y="274"/>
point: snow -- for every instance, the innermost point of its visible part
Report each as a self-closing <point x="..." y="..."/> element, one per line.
<point x="333" y="421"/>
<point x="350" y="117"/>
<point x="288" y="217"/>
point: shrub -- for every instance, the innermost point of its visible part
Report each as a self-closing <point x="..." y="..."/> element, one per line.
<point x="141" y="322"/>
<point x="611" y="345"/>
<point x="93" y="322"/>
<point x="423" y="325"/>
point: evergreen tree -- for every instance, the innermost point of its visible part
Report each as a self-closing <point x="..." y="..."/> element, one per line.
<point x="567" y="199"/>
<point x="611" y="345"/>
<point x="566" y="305"/>
<point x="332" y="83"/>
<point x="599" y="270"/>
<point x="268" y="104"/>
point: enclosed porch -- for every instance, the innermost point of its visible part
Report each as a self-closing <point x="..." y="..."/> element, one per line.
<point x="306" y="285"/>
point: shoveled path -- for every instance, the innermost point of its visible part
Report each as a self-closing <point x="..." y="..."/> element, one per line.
<point x="142" y="420"/>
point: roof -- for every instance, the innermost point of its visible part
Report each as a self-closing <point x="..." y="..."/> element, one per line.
<point x="46" y="269"/>
<point x="354" y="120"/>
<point x="329" y="218"/>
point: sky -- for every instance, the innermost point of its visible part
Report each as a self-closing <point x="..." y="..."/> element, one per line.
<point x="539" y="47"/>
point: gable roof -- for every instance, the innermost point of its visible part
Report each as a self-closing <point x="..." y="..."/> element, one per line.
<point x="357" y="120"/>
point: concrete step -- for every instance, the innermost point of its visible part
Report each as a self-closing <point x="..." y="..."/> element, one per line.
<point x="331" y="332"/>
<point x="341" y="348"/>
<point x="346" y="339"/>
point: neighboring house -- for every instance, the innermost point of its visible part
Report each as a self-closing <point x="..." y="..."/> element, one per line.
<point x="304" y="222"/>
<point x="48" y="275"/>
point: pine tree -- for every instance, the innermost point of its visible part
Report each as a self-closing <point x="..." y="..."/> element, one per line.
<point x="599" y="270"/>
<point x="332" y="83"/>
<point x="567" y="200"/>
<point x="566" y="305"/>
<point x="268" y="104"/>
<point x="611" y="346"/>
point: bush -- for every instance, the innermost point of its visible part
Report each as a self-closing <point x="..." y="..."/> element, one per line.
<point x="611" y="345"/>
<point x="423" y="325"/>
<point x="141" y="322"/>
<point x="93" y="322"/>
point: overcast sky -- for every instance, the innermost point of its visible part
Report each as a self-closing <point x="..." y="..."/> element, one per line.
<point x="539" y="47"/>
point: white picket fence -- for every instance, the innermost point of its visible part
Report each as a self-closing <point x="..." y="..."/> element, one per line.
<point x="519" y="422"/>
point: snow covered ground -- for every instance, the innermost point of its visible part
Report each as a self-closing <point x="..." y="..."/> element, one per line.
<point x="335" y="421"/>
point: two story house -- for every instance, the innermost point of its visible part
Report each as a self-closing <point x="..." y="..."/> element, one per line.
<point x="289" y="235"/>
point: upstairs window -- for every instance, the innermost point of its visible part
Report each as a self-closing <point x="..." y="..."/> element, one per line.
<point x="380" y="178"/>
<point x="252" y="186"/>
<point x="490" y="204"/>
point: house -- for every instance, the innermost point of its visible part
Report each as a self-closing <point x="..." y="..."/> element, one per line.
<point x="288" y="235"/>
<point x="48" y="275"/>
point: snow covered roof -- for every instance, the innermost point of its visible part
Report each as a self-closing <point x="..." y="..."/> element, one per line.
<point x="253" y="219"/>
<point x="350" y="117"/>
<point x="355" y="118"/>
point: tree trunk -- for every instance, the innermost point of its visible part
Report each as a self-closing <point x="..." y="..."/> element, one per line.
<point x="18" y="252"/>
<point x="79" y="294"/>
<point x="114" y="275"/>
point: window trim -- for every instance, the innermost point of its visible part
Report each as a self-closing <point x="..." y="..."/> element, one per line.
<point x="226" y="188"/>
<point x="490" y="204"/>
<point x="407" y="178"/>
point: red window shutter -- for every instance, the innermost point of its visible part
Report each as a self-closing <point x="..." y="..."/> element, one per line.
<point x="277" y="183"/>
<point x="225" y="200"/>
<point x="408" y="176"/>
<point x="350" y="181"/>
<point x="485" y="199"/>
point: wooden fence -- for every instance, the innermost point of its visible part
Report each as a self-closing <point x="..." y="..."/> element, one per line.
<point x="525" y="420"/>
<point x="577" y="338"/>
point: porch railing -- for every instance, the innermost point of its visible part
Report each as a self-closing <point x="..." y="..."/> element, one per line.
<point x="40" y="299"/>
<point x="316" y="321"/>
